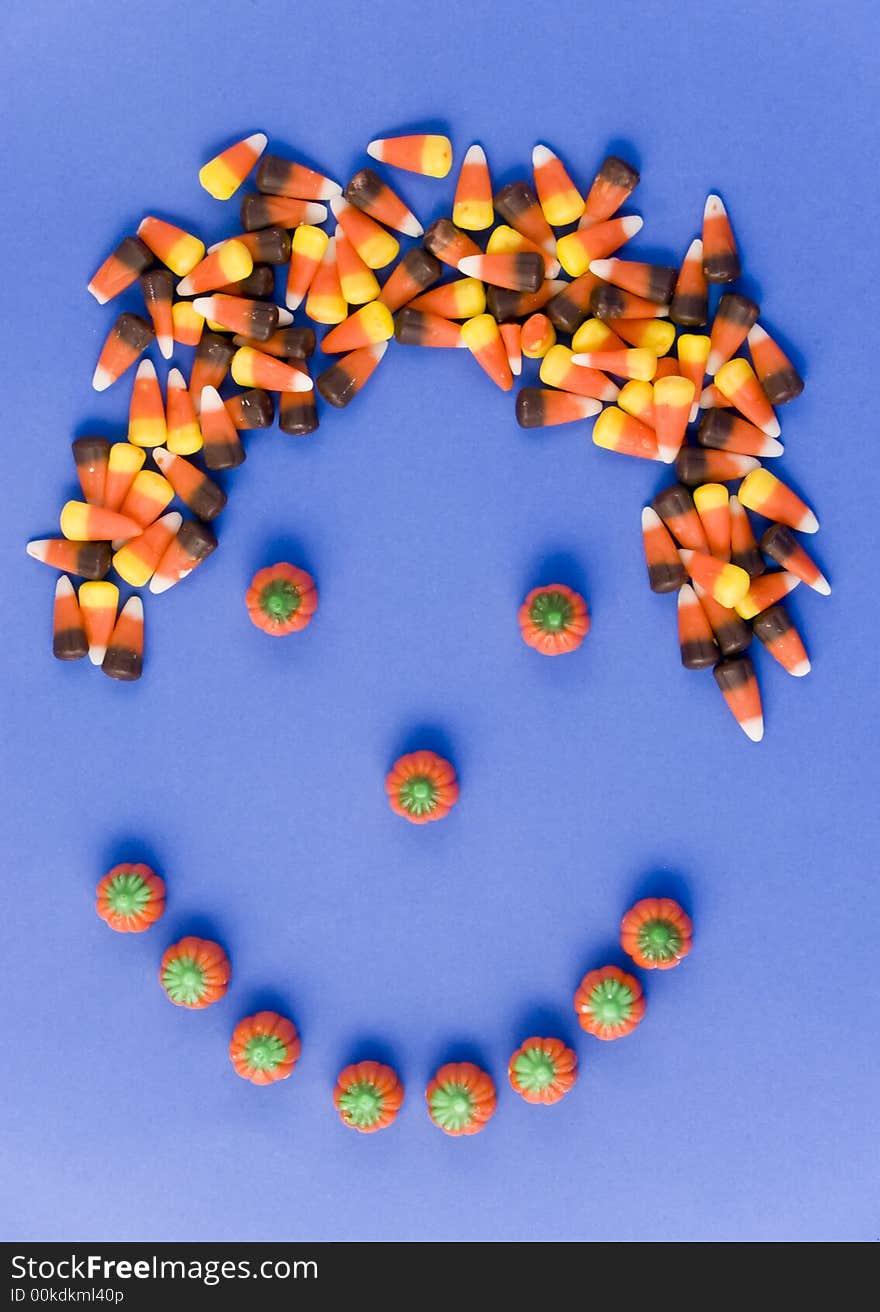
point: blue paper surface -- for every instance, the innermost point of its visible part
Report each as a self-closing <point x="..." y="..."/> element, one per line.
<point x="250" y="772"/>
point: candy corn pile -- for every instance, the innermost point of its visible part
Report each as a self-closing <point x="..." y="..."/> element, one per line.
<point x="621" y="363"/>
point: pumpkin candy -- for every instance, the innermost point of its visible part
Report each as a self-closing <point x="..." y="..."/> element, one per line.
<point x="656" y="933"/>
<point x="368" y="1096"/>
<point x="554" y="620"/>
<point x="461" y="1098"/>
<point x="194" y="973"/>
<point x="130" y="898"/>
<point x="543" y="1070"/>
<point x="422" y="787"/>
<point x="264" y="1048"/>
<point x="609" y="1003"/>
<point x="281" y="599"/>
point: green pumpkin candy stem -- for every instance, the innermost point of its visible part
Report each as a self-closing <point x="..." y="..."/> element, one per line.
<point x="183" y="979"/>
<point x="279" y="600"/>
<point x="452" y="1107"/>
<point x="534" y="1070"/>
<point x="361" y="1104"/>
<point x="418" y="795"/>
<point x="659" y="940"/>
<point x="265" y="1052"/>
<point x="611" y="1002"/>
<point x="551" y="612"/>
<point x="128" y="895"/>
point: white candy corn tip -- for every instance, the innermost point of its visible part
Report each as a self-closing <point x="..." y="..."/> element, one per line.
<point x="285" y="318"/>
<point x="476" y="155"/>
<point x="97" y="654"/>
<point x="753" y="728"/>
<point x="470" y="265"/>
<point x="293" y="301"/>
<point x="667" y="454"/>
<point x="822" y="586"/>
<point x="99" y="296"/>
<point x="184" y="287"/>
<point x="714" y="362"/>
<point x="376" y="149"/>
<point x="650" y="518"/>
<point x="756" y="334"/>
<point x="552" y="268"/>
<point x="338" y="205"/>
<point x="163" y="458"/>
<point x="258" y="141"/>
<point x="38" y="550"/>
<point x="808" y="523"/>
<point x="695" y="250"/>
<point x="172" y="520"/>
<point x="685" y="555"/>
<point x="378" y="350"/>
<point x="166" y="347"/>
<point x="602" y="268"/>
<point x="176" y="380"/>
<point x="632" y="224"/>
<point x="146" y="369"/>
<point x="515" y="363"/>
<point x="772" y="429"/>
<point x="64" y="587"/>
<point x="714" y="207"/>
<point x="211" y="400"/>
<point x="101" y="378"/>
<point x="694" y="411"/>
<point x="770" y="447"/>
<point x="314" y="213"/>
<point x="410" y="226"/>
<point x="541" y="155"/>
<point x="706" y="401"/>
<point x="583" y="358"/>
<point x="133" y="608"/>
<point x="204" y="305"/>
<point x="803" y="667"/>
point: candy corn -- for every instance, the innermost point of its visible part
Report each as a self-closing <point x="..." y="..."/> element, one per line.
<point x="229" y="262"/>
<point x="673" y="397"/>
<point x="560" y="199"/>
<point x="210" y="367"/>
<point x="417" y="270"/>
<point x="776" y="373"/>
<point x="123" y="463"/>
<point x="539" y="407"/>
<point x="370" y="324"/>
<point x="184" y="437"/>
<point x="656" y="335"/>
<point x="424" y="153"/>
<point x="158" y="289"/>
<point x="505" y="305"/>
<point x="373" y="243"/>
<point x="614" y="182"/>
<point x="136" y="561"/>
<point x="307" y="249"/>
<point x="711" y="398"/>
<point x="775" y="629"/>
<point x="284" y="177"/>
<point x="559" y="370"/>
<point x="693" y="352"/>
<point x="124" y="658"/>
<point x="420" y="328"/>
<point x="713" y="506"/>
<point x="91" y="455"/>
<point x="608" y="302"/>
<point x="676" y="508"/>
<point x="725" y="431"/>
<point x="69" y="642"/>
<point x="727" y="583"/>
<point x="743" y="547"/>
<point x="258" y="211"/>
<point x="251" y="368"/>
<point x="518" y="205"/>
<point x="81" y="522"/>
<point x="97" y="604"/>
<point x="357" y="282"/>
<point x="178" y="250"/>
<point x="146" y="414"/>
<point x="325" y="302"/>
<point x="88" y="560"/>
<point x="369" y="193"/>
<point x="120" y="269"/>
<point x="505" y="240"/>
<point x="577" y="250"/>
<point x="732" y="634"/>
<point x="653" y="282"/>
<point x="537" y="337"/>
<point x="237" y="314"/>
<point x="739" y="688"/>
<point x="764" y="493"/>
<point x="448" y="243"/>
<point x="196" y="490"/>
<point x="637" y="398"/>
<point x="191" y="545"/>
<point x="522" y="272"/>
<point x="222" y="447"/>
<point x="665" y="570"/>
<point x="511" y="336"/>
<point x="286" y="343"/>
<point x="147" y="497"/>
<point x="460" y="299"/>
<point x="766" y="591"/>
<point x="297" y="412"/>
<point x="734" y="317"/>
<point x="780" y="544"/>
<point x="127" y="339"/>
<point x="483" y="340"/>
<point x="341" y="383"/>
<point x="695" y="465"/>
<point x="252" y="409"/>
<point x="186" y="326"/>
<point x="624" y="363"/>
<point x="223" y="175"/>
<point x="472" y="208"/>
<point x="615" y="430"/>
<point x="695" y="637"/>
<point x="720" y="255"/>
<point x="594" y="335"/>
<point x="689" y="306"/>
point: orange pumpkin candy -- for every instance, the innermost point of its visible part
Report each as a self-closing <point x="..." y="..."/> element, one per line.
<point x="421" y="787"/>
<point x="281" y="599"/>
<point x="656" y="933"/>
<point x="194" y="973"/>
<point x="130" y="898"/>
<point x="461" y="1098"/>
<point x="554" y="620"/>
<point x="368" y="1096"/>
<point x="609" y="1003"/>
<point x="264" y="1048"/>
<point x="543" y="1070"/>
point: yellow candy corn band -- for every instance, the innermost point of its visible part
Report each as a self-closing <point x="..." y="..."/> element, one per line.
<point x="479" y="332"/>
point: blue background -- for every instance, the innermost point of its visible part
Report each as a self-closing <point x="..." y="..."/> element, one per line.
<point x="251" y="772"/>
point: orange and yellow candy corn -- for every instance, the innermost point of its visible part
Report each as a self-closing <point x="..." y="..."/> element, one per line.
<point x="136" y="561"/>
<point x="222" y="176"/>
<point x="472" y="208"/>
<point x="739" y="687"/>
<point x="98" y="603"/>
<point x="560" y="199"/>
<point x="146" y="413"/>
<point x="766" y="495"/>
<point x="713" y="506"/>
<point x="231" y="261"/>
<point x="482" y="338"/>
<point x="425" y="153"/>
